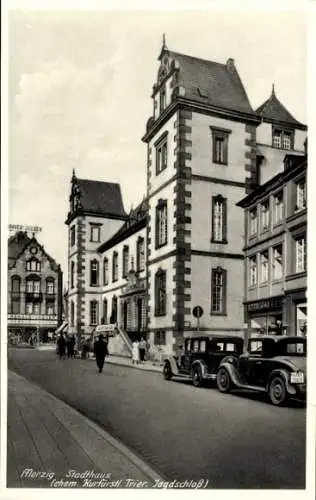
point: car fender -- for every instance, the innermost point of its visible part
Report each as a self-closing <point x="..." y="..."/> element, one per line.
<point x="202" y="365"/>
<point x="173" y="364"/>
<point x="230" y="366"/>
<point x="286" y="377"/>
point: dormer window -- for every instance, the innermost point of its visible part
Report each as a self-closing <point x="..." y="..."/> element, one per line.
<point x="282" y="139"/>
<point x="162" y="100"/>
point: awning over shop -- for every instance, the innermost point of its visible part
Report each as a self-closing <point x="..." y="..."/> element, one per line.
<point x="62" y="327"/>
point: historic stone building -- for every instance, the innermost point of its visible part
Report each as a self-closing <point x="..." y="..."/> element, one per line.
<point x="34" y="289"/>
<point x="203" y="156"/>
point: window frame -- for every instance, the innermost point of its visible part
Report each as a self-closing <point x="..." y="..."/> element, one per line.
<point x="125" y="260"/>
<point x="162" y="99"/>
<point x="105" y="271"/>
<point x="161" y="146"/>
<point x="219" y="271"/>
<point x="72" y="274"/>
<point x="93" y="303"/>
<point x="161" y="210"/>
<point x="161" y="290"/>
<point x="265" y="227"/>
<point x="301" y="237"/>
<point x="94" y="262"/>
<point x="253" y="260"/>
<point x="140" y="251"/>
<point x="221" y="136"/>
<point x="283" y="132"/>
<point x="115" y="267"/>
<point x="274" y="259"/>
<point x="219" y="199"/>
<point x="298" y="205"/>
<point x="264" y="253"/>
<point x="49" y="282"/>
<point x="73" y="235"/>
<point x="95" y="226"/>
<point x="277" y="211"/>
<point x="160" y="337"/>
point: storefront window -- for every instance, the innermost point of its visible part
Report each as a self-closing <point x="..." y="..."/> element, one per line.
<point x="301" y="320"/>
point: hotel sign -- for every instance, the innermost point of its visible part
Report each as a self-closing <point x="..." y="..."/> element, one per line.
<point x="269" y="304"/>
<point x="31" y="229"/>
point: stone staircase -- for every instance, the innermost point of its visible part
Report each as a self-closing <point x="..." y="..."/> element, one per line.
<point x="120" y="344"/>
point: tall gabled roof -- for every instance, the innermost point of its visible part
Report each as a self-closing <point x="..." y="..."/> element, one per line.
<point x="272" y="110"/>
<point x="16" y="244"/>
<point x="212" y="82"/>
<point x="101" y="197"/>
<point x="137" y="219"/>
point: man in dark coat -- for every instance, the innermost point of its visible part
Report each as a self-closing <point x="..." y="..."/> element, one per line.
<point x="100" y="351"/>
<point x="61" y="343"/>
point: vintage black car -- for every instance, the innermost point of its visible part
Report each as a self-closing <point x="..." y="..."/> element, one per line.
<point x="201" y="357"/>
<point x="275" y="365"/>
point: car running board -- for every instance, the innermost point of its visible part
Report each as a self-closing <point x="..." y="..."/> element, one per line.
<point x="256" y="388"/>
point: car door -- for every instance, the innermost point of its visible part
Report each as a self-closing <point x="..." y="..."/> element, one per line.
<point x="186" y="361"/>
<point x="251" y="363"/>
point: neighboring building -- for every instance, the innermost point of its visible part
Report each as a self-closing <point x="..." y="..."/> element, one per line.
<point x="275" y="251"/>
<point x="202" y="159"/>
<point x="34" y="289"/>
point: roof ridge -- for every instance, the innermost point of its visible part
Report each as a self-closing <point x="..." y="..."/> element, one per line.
<point x="94" y="180"/>
<point x="196" y="58"/>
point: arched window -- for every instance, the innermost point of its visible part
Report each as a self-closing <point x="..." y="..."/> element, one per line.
<point x="15" y="295"/>
<point x="72" y="314"/>
<point x="33" y="285"/>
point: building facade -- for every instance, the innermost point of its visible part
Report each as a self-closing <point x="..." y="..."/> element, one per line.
<point x="275" y="251"/>
<point x="202" y="158"/>
<point x="34" y="289"/>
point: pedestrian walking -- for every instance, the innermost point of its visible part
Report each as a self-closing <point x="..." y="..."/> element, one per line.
<point x="142" y="349"/>
<point x="135" y="352"/>
<point x="71" y="346"/>
<point x="61" y="343"/>
<point x="100" y="351"/>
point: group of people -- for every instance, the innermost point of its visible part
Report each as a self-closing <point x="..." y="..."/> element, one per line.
<point x="139" y="351"/>
<point x="66" y="346"/>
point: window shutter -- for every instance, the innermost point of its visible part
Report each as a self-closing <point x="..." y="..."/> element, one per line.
<point x="224" y="291"/>
<point x="213" y="214"/>
<point x="225" y="220"/>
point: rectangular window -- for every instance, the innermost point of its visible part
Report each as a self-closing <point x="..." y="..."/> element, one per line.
<point x="125" y="260"/>
<point x="218" y="291"/>
<point x="253" y="270"/>
<point x="278" y="208"/>
<point x="301" y="195"/>
<point x="72" y="313"/>
<point x="162" y="100"/>
<point x="94" y="273"/>
<point x="140" y="254"/>
<point x="72" y="274"/>
<point x="265" y="216"/>
<point x="219" y="219"/>
<point x="50" y="309"/>
<point x="282" y="139"/>
<point x="220" y="145"/>
<point x="95" y="233"/>
<point x="15" y="307"/>
<point x="161" y="155"/>
<point x="37" y="308"/>
<point x="277" y="262"/>
<point x="300" y="246"/>
<point x="93" y="312"/>
<point x="264" y="266"/>
<point x="105" y="271"/>
<point x="253" y="222"/>
<point x="161" y="223"/>
<point x="160" y="337"/>
<point x="115" y="267"/>
<point x="29" y="307"/>
<point x="161" y="293"/>
<point x="72" y="235"/>
<point x="50" y="287"/>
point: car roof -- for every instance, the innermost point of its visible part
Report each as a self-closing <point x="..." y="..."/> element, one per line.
<point x="277" y="338"/>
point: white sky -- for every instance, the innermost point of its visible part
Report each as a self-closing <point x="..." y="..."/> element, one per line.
<point x="80" y="86"/>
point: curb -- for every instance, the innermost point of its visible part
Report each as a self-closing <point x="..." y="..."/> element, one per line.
<point x="118" y="445"/>
<point x="135" y="367"/>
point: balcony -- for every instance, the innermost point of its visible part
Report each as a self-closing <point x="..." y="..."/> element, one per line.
<point x="33" y="297"/>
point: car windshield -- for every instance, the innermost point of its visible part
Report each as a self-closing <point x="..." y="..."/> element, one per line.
<point x="293" y="347"/>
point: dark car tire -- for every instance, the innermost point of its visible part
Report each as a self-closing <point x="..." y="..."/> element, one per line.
<point x="167" y="372"/>
<point x="223" y="380"/>
<point x="277" y="391"/>
<point x="196" y="376"/>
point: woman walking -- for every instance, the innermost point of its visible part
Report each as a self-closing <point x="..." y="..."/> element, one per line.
<point x="135" y="352"/>
<point x="142" y="350"/>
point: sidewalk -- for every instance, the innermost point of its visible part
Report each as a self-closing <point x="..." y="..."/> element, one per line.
<point x="50" y="444"/>
<point x="146" y="366"/>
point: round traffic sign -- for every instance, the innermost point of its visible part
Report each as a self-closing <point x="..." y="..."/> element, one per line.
<point x="197" y="311"/>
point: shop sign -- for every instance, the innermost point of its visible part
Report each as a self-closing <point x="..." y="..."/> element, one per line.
<point x="272" y="303"/>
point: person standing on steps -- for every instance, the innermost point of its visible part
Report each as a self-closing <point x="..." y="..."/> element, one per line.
<point x="142" y="349"/>
<point x="100" y="351"/>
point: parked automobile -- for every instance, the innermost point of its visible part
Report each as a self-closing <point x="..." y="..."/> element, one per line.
<point x="201" y="357"/>
<point x="275" y="365"/>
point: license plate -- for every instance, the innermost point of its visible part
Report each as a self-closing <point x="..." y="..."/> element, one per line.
<point x="297" y="378"/>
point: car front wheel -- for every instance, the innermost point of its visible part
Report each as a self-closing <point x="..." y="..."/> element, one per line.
<point x="197" y="378"/>
<point x="223" y="380"/>
<point x="167" y="372"/>
<point x="277" y="391"/>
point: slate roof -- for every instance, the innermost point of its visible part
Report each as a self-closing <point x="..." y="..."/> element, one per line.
<point x="137" y="219"/>
<point x="273" y="110"/>
<point x="101" y="197"/>
<point x="212" y="82"/>
<point x="18" y="243"/>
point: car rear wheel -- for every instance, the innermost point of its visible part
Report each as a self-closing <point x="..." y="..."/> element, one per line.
<point x="167" y="372"/>
<point x="223" y="380"/>
<point x="197" y="378"/>
<point x="277" y="391"/>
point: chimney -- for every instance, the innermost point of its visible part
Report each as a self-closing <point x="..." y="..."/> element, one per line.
<point x="230" y="65"/>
